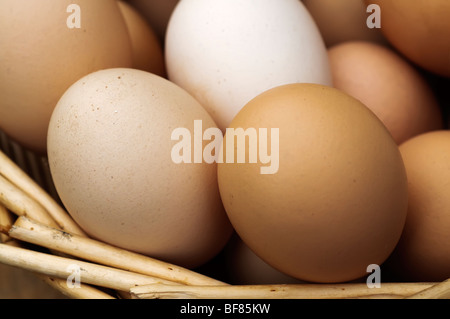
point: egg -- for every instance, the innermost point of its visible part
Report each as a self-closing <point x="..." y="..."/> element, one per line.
<point x="388" y="85"/>
<point x="225" y="52"/>
<point x="147" y="49"/>
<point x="110" y="155"/>
<point x="46" y="46"/>
<point x="324" y="194"/>
<point x="156" y="12"/>
<point x="420" y="30"/>
<point x="423" y="253"/>
<point x="344" y="20"/>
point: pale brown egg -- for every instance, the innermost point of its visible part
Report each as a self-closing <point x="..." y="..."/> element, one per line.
<point x="45" y="47"/>
<point x="344" y="20"/>
<point x="322" y="192"/>
<point x="110" y="151"/>
<point x="147" y="49"/>
<point x="388" y="85"/>
<point x="423" y="253"/>
<point x="420" y="30"/>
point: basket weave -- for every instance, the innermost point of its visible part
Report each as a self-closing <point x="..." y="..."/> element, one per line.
<point x="30" y="213"/>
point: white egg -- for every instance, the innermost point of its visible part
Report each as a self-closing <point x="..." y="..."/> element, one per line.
<point x="226" y="52"/>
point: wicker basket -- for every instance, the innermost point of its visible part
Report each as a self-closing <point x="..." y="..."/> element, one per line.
<point x="38" y="236"/>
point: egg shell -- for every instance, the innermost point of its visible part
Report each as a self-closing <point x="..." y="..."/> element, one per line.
<point x="41" y="57"/>
<point x="225" y="52"/>
<point x="109" y="150"/>
<point x="388" y="85"/>
<point x="343" y="20"/>
<point x="338" y="201"/>
<point x="147" y="49"/>
<point x="420" y="30"/>
<point x="423" y="253"/>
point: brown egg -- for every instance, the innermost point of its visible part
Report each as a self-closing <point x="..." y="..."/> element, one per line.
<point x="343" y="20"/>
<point x="388" y="85"/>
<point x="423" y="253"/>
<point x="330" y="199"/>
<point x="420" y="30"/>
<point x="46" y="46"/>
<point x="147" y="50"/>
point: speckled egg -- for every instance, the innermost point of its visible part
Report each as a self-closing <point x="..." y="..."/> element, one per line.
<point x="110" y="154"/>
